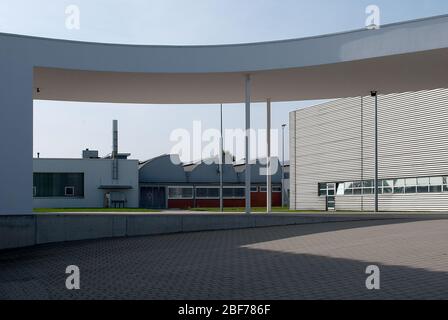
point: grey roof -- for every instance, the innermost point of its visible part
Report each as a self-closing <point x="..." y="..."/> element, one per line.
<point x="163" y="170"/>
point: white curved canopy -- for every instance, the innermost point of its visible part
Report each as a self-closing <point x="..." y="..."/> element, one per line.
<point x="399" y="57"/>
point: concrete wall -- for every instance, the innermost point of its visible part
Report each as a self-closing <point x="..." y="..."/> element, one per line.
<point x="22" y="231"/>
<point x="97" y="172"/>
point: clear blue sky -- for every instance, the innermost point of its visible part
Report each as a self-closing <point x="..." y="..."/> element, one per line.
<point x="63" y="129"/>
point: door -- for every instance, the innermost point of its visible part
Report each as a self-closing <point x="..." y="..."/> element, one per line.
<point x="331" y="197"/>
<point x="152" y="198"/>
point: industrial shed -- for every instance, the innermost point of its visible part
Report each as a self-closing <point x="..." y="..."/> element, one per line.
<point x="165" y="182"/>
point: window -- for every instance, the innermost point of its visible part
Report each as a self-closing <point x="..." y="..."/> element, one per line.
<point x="180" y="192"/>
<point x="348" y="189"/>
<point x="325" y="189"/>
<point x="234" y="193"/>
<point x="286" y="175"/>
<point x="207" y="193"/>
<point x="254" y="189"/>
<point x="445" y="184"/>
<point x="276" y="189"/>
<point x="411" y="185"/>
<point x="340" y="189"/>
<point x="387" y="186"/>
<point x="422" y="185"/>
<point x="435" y="184"/>
<point x="399" y="185"/>
<point x="47" y="185"/>
<point x="69" y="191"/>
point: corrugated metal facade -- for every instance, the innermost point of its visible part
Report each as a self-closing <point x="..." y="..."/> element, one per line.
<point x="334" y="142"/>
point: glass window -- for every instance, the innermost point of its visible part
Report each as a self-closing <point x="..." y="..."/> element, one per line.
<point x="180" y="193"/>
<point x="422" y="181"/>
<point x="58" y="184"/>
<point x="368" y="190"/>
<point x="254" y="189"/>
<point x="436" y="181"/>
<point x="227" y="192"/>
<point x="233" y="193"/>
<point x="388" y="183"/>
<point x="422" y="185"/>
<point x="187" y="193"/>
<point x="435" y="184"/>
<point x="239" y="192"/>
<point x="411" y="185"/>
<point x="276" y="189"/>
<point x="70" y="191"/>
<point x="367" y="184"/>
<point x="435" y="189"/>
<point x="340" y="191"/>
<point x="201" y="192"/>
<point x="399" y="185"/>
<point x="213" y="192"/>
<point x="357" y="191"/>
<point x="388" y="190"/>
<point x="357" y="184"/>
<point x="263" y="189"/>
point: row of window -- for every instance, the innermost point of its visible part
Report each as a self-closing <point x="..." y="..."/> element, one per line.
<point x="386" y="186"/>
<point x="213" y="192"/>
<point x="46" y="185"/>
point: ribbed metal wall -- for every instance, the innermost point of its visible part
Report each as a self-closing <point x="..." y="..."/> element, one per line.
<point x="334" y="142"/>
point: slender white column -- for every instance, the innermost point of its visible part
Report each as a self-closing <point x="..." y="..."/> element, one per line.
<point x="221" y="160"/>
<point x="247" y="160"/>
<point x="268" y="158"/>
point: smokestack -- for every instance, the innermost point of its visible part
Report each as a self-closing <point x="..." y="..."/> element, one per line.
<point x="115" y="139"/>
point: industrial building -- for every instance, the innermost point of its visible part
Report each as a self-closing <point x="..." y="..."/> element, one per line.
<point x="332" y="153"/>
<point x="165" y="183"/>
<point x="88" y="182"/>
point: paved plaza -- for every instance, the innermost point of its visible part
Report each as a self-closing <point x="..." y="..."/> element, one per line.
<point x="318" y="261"/>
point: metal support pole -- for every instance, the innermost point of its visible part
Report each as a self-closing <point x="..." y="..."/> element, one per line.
<point x="247" y="141"/>
<point x="268" y="158"/>
<point x="283" y="165"/>
<point x="375" y="94"/>
<point x="221" y="173"/>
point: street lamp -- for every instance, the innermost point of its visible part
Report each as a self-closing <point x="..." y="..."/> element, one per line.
<point x="283" y="164"/>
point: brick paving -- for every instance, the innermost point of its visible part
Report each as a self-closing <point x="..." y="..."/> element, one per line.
<point x="320" y="261"/>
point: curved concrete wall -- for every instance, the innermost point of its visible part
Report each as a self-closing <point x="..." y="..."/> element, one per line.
<point x="23" y="231"/>
<point x="400" y="38"/>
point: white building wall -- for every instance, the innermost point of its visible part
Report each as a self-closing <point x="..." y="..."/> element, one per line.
<point x="97" y="172"/>
<point x="334" y="142"/>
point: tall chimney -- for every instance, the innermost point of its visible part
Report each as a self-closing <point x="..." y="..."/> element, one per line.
<point x="115" y="150"/>
<point x="115" y="139"/>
